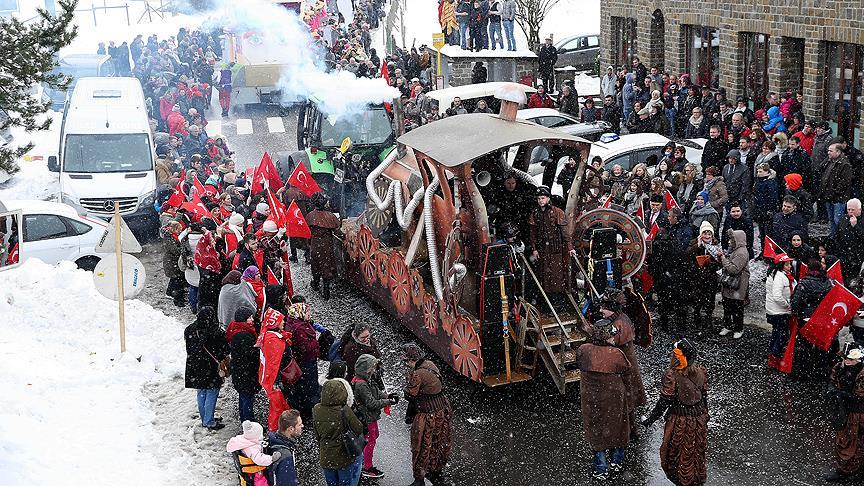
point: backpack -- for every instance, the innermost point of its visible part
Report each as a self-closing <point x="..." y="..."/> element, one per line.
<point x="247" y="470"/>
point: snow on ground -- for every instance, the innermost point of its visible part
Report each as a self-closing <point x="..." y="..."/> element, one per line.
<point x="73" y="409"/>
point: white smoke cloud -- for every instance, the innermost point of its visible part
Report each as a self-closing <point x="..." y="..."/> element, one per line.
<point x="286" y="40"/>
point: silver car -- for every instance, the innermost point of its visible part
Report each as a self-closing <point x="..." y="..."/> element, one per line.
<point x="568" y="124"/>
<point x="579" y="51"/>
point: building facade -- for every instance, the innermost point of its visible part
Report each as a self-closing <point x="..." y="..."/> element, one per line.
<point x="750" y="48"/>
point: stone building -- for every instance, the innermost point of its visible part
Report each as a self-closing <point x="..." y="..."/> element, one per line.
<point x="750" y="48"/>
<point x="457" y="65"/>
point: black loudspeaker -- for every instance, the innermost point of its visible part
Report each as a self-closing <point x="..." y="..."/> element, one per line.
<point x="497" y="263"/>
<point x="604" y="244"/>
<point x="606" y="273"/>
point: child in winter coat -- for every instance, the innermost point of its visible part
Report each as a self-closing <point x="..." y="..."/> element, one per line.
<point x="370" y="401"/>
<point x="249" y="444"/>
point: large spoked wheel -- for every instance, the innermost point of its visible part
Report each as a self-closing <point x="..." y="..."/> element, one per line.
<point x="632" y="249"/>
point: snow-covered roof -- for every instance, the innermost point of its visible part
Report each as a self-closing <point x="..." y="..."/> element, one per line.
<point x="456" y="51"/>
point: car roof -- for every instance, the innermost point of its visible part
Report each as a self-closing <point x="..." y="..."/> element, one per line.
<point x="628" y="142"/>
<point x="471" y="91"/>
<point x="571" y="37"/>
<point x="35" y="206"/>
<point x="529" y="113"/>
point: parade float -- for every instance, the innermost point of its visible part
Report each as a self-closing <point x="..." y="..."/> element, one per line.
<point x="424" y="248"/>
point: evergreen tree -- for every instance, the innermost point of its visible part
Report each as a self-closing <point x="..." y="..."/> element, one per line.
<point x="28" y="54"/>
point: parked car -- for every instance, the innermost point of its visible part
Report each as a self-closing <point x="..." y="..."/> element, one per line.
<point x="630" y="150"/>
<point x="77" y="66"/>
<point x="579" y="51"/>
<point x="551" y="118"/>
<point x="626" y="150"/>
<point x="54" y="232"/>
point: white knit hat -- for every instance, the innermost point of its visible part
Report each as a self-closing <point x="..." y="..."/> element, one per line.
<point x="262" y="208"/>
<point x="252" y="430"/>
<point x="236" y="219"/>
<point x="270" y="226"/>
<point x="706" y="226"/>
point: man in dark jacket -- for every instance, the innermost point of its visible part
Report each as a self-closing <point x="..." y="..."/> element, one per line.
<point x="835" y="187"/>
<point x="679" y="229"/>
<point x="548" y="56"/>
<point x="283" y="471"/>
<point x="737" y="221"/>
<point x="714" y="154"/>
<point x="205" y="347"/>
<point x="246" y="255"/>
<point x="739" y="179"/>
<point x="794" y="160"/>
<point x="849" y="240"/>
<point x="794" y="187"/>
<point x="788" y="222"/>
<point x="612" y="113"/>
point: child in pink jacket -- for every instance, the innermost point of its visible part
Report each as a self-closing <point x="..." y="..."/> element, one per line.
<point x="249" y="444"/>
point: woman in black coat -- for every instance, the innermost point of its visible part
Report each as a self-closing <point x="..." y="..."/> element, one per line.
<point x="245" y="359"/>
<point x="810" y="362"/>
<point x="205" y="347"/>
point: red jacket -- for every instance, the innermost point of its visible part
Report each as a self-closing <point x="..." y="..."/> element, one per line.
<point x="271" y="357"/>
<point x="807" y="141"/>
<point x="177" y="124"/>
<point x="540" y="101"/>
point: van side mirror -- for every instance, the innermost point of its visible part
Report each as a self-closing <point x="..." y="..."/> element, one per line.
<point x="53" y="166"/>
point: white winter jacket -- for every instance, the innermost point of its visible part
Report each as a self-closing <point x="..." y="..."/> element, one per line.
<point x="778" y="295"/>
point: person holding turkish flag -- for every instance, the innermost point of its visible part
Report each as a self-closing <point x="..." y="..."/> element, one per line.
<point x="807" y="304"/>
<point x="272" y="341"/>
<point x="294" y="196"/>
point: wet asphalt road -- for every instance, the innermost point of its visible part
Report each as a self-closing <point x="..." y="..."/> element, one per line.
<point x="765" y="429"/>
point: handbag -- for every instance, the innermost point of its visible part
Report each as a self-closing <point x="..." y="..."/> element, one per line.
<point x="730" y="281"/>
<point x="354" y="443"/>
<point x="291" y="373"/>
<point x="224" y="365"/>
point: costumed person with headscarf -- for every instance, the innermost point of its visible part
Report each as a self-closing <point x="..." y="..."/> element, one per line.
<point x="429" y="413"/>
<point x="324" y="226"/>
<point x="847" y="376"/>
<point x="610" y="308"/>
<point x="306" y="392"/>
<point x="603" y="395"/>
<point x="684" y="401"/>
<point x="273" y="341"/>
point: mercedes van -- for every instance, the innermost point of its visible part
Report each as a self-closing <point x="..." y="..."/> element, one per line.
<point x="106" y="150"/>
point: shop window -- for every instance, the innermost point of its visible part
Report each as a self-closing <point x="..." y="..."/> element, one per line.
<point x="623" y="40"/>
<point x="702" y="55"/>
<point x="755" y="67"/>
<point x="843" y="83"/>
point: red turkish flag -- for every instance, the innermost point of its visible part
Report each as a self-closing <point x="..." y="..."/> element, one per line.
<point x="266" y="176"/>
<point x="653" y="233"/>
<point x="197" y="208"/>
<point x="286" y="275"/>
<point x="385" y="71"/>
<point x="271" y="278"/>
<point x="277" y="210"/>
<point x="177" y="197"/>
<point x="670" y="201"/>
<point x="771" y="249"/>
<point x="640" y="213"/>
<point x="835" y="272"/>
<point x="198" y="188"/>
<point x="302" y="179"/>
<point x="834" y="312"/>
<point x="297" y="226"/>
<point x="607" y="203"/>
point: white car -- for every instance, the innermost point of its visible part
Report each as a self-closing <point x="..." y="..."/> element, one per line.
<point x="554" y="119"/>
<point x="54" y="232"/>
<point x="630" y="150"/>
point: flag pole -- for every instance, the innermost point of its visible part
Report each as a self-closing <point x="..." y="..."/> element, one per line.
<point x="118" y="253"/>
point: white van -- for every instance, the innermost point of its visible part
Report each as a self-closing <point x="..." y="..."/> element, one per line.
<point x="106" y="150"/>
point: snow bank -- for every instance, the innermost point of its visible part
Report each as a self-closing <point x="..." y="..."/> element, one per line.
<point x="72" y="409"/>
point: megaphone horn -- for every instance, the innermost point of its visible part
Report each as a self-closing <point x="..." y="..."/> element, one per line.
<point x="483" y="178"/>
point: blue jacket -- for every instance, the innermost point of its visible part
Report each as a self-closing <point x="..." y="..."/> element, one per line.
<point x="775" y="120"/>
<point x="283" y="472"/>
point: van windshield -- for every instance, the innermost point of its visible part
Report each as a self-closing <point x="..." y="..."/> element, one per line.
<point x="126" y="152"/>
<point x="370" y="127"/>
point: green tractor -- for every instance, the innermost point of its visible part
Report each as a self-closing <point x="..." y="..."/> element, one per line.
<point x="341" y="168"/>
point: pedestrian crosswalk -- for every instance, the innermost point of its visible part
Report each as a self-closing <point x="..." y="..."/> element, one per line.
<point x="245" y="126"/>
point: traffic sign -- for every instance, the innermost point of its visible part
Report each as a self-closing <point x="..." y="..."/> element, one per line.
<point x="438" y="40"/>
<point x="129" y="244"/>
<point x="134" y="277"/>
